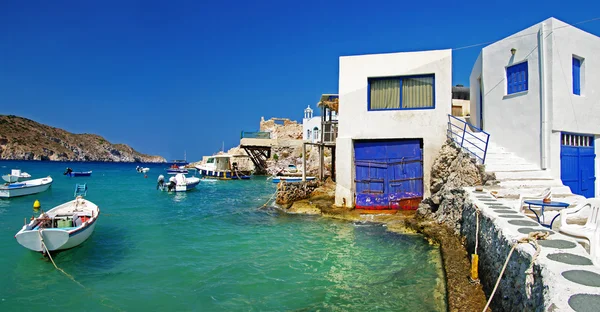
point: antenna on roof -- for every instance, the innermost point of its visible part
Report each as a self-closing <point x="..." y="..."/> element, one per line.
<point x="223" y="147"/>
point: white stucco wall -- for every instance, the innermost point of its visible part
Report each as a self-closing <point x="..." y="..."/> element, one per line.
<point x="474" y="92"/>
<point x="575" y="113"/>
<point x="515" y="121"/>
<point x="357" y="123"/>
<point x="310" y="124"/>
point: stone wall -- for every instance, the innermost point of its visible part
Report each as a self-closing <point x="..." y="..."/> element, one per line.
<point x="493" y="248"/>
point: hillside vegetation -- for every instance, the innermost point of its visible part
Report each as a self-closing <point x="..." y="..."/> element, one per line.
<point x="25" y="139"/>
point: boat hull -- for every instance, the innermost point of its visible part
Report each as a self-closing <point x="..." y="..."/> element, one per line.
<point x="291" y="179"/>
<point x="79" y="174"/>
<point x="223" y="175"/>
<point x="60" y="238"/>
<point x="7" y="192"/>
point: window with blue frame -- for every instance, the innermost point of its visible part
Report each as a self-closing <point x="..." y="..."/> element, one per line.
<point x="576" y="76"/>
<point x="517" y="78"/>
<point x="406" y="92"/>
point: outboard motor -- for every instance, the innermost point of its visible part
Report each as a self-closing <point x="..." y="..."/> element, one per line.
<point x="69" y="170"/>
<point x="172" y="184"/>
<point x="161" y="181"/>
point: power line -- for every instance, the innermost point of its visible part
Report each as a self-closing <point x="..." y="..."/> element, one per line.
<point x="524" y="35"/>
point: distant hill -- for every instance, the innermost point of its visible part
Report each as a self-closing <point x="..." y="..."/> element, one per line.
<point x="25" y="139"/>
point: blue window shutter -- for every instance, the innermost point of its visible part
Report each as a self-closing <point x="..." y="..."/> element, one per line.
<point x="516" y="78"/>
<point x="576" y="76"/>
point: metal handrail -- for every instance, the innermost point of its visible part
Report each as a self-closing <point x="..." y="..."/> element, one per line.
<point x="462" y="135"/>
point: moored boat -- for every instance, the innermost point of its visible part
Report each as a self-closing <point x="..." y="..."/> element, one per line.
<point x="288" y="179"/>
<point x="62" y="227"/>
<point x="142" y="169"/>
<point x="224" y="167"/>
<point x="23" y="188"/>
<point x="178" y="183"/>
<point x="15" y="176"/>
<point x="174" y="169"/>
<point x="70" y="173"/>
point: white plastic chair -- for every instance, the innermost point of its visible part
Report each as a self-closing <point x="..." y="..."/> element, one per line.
<point x="589" y="233"/>
<point x="547" y="193"/>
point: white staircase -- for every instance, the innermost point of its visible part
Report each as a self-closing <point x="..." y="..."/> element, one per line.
<point x="517" y="176"/>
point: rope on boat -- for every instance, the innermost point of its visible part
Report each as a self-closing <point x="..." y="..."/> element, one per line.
<point x="532" y="237"/>
<point x="69" y="275"/>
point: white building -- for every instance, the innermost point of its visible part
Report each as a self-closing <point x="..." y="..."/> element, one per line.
<point x="395" y="111"/>
<point x="311" y="126"/>
<point x="537" y="94"/>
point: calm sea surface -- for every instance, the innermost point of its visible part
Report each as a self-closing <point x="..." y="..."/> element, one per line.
<point x="209" y="249"/>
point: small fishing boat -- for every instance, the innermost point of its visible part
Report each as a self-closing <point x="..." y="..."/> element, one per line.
<point x="23" y="188"/>
<point x="70" y="173"/>
<point x="225" y="167"/>
<point x="15" y="176"/>
<point x="142" y="169"/>
<point x="178" y="183"/>
<point x="62" y="227"/>
<point x="174" y="169"/>
<point x="278" y="179"/>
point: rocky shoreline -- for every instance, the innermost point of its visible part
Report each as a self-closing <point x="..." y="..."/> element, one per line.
<point x="25" y="139"/>
<point x="438" y="218"/>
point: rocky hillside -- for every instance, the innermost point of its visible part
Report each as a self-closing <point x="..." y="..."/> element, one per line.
<point x="25" y="139"/>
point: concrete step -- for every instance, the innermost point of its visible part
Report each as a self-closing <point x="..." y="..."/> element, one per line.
<point x="514" y="192"/>
<point x="494" y="162"/>
<point x="528" y="183"/>
<point x="510" y="167"/>
<point x="518" y="175"/>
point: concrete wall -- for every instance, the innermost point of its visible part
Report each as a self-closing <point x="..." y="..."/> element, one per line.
<point x="475" y="109"/>
<point x="550" y="290"/>
<point x="515" y="121"/>
<point x="357" y="123"/>
<point x="570" y="112"/>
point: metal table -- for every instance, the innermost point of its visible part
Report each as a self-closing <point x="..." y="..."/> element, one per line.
<point x="554" y="204"/>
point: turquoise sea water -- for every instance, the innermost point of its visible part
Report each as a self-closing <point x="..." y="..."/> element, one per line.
<point x="209" y="249"/>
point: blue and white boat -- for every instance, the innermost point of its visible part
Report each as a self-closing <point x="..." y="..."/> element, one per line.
<point x="278" y="179"/>
<point x="62" y="227"/>
<point x="70" y="173"/>
<point x="25" y="187"/>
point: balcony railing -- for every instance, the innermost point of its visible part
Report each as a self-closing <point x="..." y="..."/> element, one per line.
<point x="255" y="135"/>
<point x="474" y="143"/>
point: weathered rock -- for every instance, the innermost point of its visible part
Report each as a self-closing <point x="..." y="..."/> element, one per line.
<point x="452" y="170"/>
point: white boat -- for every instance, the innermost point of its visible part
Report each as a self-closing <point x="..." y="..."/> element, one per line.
<point x="142" y="169"/>
<point x="62" y="227"/>
<point x="25" y="187"/>
<point x="178" y="183"/>
<point x="278" y="179"/>
<point x="226" y="167"/>
<point x="15" y="176"/>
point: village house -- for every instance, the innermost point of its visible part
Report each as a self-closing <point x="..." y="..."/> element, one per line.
<point x="394" y="112"/>
<point x="536" y="94"/>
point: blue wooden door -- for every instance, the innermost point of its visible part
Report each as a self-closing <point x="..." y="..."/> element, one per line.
<point x="577" y="163"/>
<point x="389" y="174"/>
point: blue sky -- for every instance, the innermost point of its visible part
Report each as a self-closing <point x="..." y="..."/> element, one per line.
<point x="169" y="76"/>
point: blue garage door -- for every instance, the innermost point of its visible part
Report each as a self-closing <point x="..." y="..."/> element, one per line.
<point x="577" y="169"/>
<point x="389" y="174"/>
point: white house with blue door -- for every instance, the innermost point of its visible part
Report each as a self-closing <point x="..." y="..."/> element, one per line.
<point x="537" y="93"/>
<point x="393" y="112"/>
